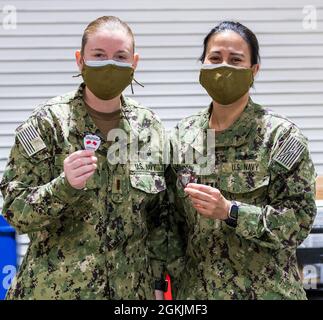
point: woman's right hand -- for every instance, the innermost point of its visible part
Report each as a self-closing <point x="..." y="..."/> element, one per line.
<point x="79" y="167"/>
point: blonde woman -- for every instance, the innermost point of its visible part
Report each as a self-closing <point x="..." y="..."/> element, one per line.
<point x="97" y="227"/>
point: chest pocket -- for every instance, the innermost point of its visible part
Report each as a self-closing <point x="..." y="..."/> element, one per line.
<point x="129" y="184"/>
<point x="245" y="187"/>
<point x="145" y="188"/>
<point x="147" y="178"/>
<point x="149" y="183"/>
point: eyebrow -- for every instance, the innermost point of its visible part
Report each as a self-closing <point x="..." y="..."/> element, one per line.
<point x="101" y="50"/>
<point x="122" y="51"/>
<point x="231" y="53"/>
<point x="237" y="54"/>
<point x="217" y="52"/>
<point x="98" y="49"/>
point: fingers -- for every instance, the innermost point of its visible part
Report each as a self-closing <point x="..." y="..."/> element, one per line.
<point x="82" y="179"/>
<point x="199" y="203"/>
<point x="79" y="166"/>
<point x="80" y="154"/>
<point x="208" y="201"/>
<point x="84" y="170"/>
<point x="202" y="207"/>
<point x="204" y="212"/>
<point x="198" y="194"/>
<point x="84" y="161"/>
<point x="203" y="188"/>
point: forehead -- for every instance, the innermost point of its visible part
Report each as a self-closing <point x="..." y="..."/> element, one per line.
<point x="228" y="41"/>
<point x="110" y="40"/>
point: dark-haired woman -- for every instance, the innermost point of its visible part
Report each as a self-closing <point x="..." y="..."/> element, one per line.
<point x="242" y="182"/>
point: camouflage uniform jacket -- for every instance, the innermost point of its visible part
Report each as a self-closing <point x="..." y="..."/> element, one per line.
<point x="106" y="241"/>
<point x="263" y="162"/>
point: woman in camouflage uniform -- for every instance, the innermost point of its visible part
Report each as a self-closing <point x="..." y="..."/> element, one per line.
<point x="96" y="227"/>
<point x="242" y="183"/>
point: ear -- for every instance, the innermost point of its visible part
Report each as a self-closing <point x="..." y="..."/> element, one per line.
<point x="255" y="68"/>
<point x="79" y="59"/>
<point x="135" y="60"/>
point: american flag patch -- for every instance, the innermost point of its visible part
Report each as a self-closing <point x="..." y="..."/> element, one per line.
<point x="30" y="139"/>
<point x="289" y="152"/>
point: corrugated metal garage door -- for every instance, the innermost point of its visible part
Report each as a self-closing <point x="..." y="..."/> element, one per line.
<point x="37" y="58"/>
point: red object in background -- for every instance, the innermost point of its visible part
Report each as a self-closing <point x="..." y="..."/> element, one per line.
<point x="168" y="293"/>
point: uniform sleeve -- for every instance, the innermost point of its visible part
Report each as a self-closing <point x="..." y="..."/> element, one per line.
<point x="287" y="219"/>
<point x="177" y="233"/>
<point x="33" y="199"/>
<point x="157" y="234"/>
<point x="157" y="221"/>
<point x="178" y="229"/>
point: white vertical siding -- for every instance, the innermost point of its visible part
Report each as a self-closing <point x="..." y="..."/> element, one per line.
<point x="37" y="58"/>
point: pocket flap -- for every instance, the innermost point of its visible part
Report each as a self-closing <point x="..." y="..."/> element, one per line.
<point x="149" y="183"/>
<point x="242" y="183"/>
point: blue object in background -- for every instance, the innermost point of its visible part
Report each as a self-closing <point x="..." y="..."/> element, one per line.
<point x="8" y="256"/>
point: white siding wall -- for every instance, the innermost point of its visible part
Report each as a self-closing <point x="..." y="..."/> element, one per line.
<point x="37" y="59"/>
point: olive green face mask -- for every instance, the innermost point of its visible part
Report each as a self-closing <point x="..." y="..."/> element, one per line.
<point x="108" y="78"/>
<point x="225" y="84"/>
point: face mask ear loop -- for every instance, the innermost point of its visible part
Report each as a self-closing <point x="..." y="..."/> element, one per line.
<point x="78" y="75"/>
<point x="137" y="83"/>
<point x="141" y="85"/>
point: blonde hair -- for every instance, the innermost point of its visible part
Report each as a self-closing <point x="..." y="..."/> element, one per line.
<point x="105" y="22"/>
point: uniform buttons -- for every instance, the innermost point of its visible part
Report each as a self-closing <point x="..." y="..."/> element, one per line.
<point x="240" y="253"/>
<point x="118" y="197"/>
<point x="245" y="233"/>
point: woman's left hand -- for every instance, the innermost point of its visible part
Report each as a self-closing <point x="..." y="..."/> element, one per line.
<point x="208" y="201"/>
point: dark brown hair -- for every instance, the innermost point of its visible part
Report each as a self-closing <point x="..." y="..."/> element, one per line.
<point x="241" y="30"/>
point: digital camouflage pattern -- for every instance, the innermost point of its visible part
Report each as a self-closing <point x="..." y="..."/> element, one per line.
<point x="256" y="260"/>
<point x="104" y="242"/>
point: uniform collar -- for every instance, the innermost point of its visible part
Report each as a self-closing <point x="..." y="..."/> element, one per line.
<point x="81" y="122"/>
<point x="235" y="136"/>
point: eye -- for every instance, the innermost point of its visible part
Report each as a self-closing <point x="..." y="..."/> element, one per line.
<point x="121" y="57"/>
<point x="99" y="55"/>
<point x="236" y="60"/>
<point x="215" y="59"/>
